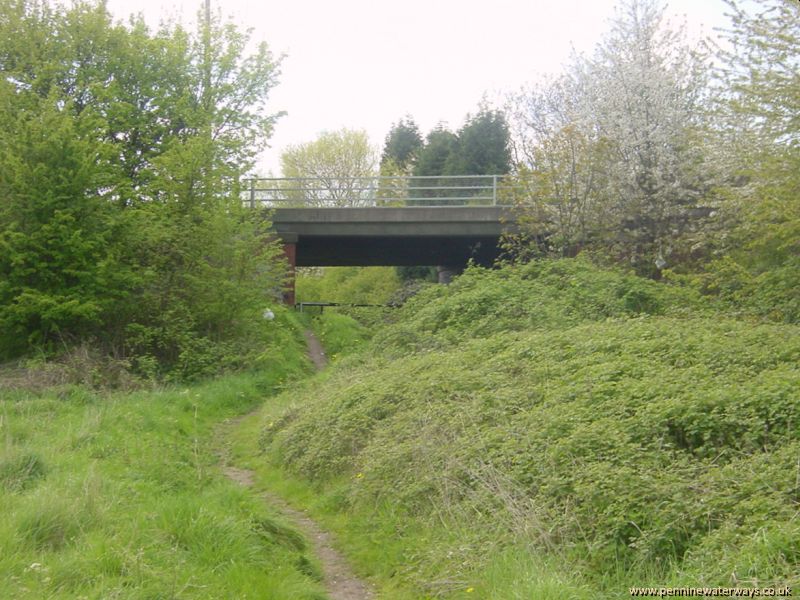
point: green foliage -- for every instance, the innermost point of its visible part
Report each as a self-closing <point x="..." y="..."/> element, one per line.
<point x="211" y="278"/>
<point x="757" y="242"/>
<point x="121" y="223"/>
<point x="344" y="328"/>
<point x="761" y="69"/>
<point x="541" y="294"/>
<point x="339" y="333"/>
<point x="338" y="159"/>
<point x="403" y="143"/>
<point x="122" y="496"/>
<point x="483" y="146"/>
<point x="58" y="268"/>
<point x="439" y="144"/>
<point x="285" y="332"/>
<point x="356" y="285"/>
<point x="772" y="294"/>
<point x="593" y="418"/>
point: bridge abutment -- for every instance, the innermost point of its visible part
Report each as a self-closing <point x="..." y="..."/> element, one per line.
<point x="290" y="254"/>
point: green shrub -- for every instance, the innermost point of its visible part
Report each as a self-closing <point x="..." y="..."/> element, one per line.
<point x="339" y="334"/>
<point x="539" y="295"/>
<point x="617" y="421"/>
<point x="357" y="285"/>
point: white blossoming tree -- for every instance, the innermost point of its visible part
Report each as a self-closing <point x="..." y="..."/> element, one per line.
<point x="618" y="140"/>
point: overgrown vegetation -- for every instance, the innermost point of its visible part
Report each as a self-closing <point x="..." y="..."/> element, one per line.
<point x="563" y="413"/>
<point x="549" y="429"/>
<point x="120" y="224"/>
<point x="340" y="334"/>
<point x="646" y="152"/>
<point x="756" y="245"/>
<point x="121" y="495"/>
<point x="352" y="285"/>
<point x="343" y="329"/>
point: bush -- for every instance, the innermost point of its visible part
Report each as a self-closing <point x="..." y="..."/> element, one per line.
<point x="339" y="333"/>
<point x="615" y="420"/>
<point x="356" y="285"/>
<point x="121" y="225"/>
<point x="539" y="295"/>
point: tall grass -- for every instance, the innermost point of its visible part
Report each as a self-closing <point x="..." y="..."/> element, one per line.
<point x="552" y="430"/>
<point x="121" y="495"/>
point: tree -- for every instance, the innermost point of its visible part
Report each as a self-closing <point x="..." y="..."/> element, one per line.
<point x="560" y="168"/>
<point x="759" y="101"/>
<point x="145" y="89"/>
<point x="403" y="143"/>
<point x="638" y="105"/>
<point x="643" y="93"/>
<point x="761" y="74"/>
<point x="58" y="273"/>
<point x="342" y="165"/>
<point x="121" y="221"/>
<point x="483" y="146"/>
<point x="439" y="144"/>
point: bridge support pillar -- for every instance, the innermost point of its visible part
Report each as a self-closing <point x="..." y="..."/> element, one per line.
<point x="447" y="272"/>
<point x="290" y="253"/>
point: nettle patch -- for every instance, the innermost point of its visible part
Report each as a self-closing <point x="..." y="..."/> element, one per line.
<point x="564" y="418"/>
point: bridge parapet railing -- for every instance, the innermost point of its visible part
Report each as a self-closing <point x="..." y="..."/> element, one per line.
<point x="387" y="190"/>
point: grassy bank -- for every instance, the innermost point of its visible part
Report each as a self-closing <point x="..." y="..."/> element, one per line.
<point x="120" y="495"/>
<point x="551" y="431"/>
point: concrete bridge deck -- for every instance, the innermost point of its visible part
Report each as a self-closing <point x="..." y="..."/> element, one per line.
<point x="387" y="220"/>
<point x="398" y="236"/>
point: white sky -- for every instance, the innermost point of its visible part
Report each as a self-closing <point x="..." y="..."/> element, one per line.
<point x="364" y="64"/>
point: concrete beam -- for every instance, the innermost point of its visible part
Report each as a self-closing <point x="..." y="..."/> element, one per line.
<point x="413" y="221"/>
<point x="403" y="236"/>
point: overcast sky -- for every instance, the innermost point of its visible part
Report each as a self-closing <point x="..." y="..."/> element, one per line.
<point x="364" y="64"/>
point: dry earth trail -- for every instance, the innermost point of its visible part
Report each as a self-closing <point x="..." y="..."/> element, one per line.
<point x="339" y="580"/>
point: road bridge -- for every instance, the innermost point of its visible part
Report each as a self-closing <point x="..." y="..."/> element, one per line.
<point x="387" y="221"/>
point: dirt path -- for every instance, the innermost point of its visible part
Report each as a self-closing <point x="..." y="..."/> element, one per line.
<point x="339" y="580"/>
<point x="315" y="351"/>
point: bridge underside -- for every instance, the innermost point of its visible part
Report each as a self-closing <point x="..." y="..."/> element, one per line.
<point x="391" y="236"/>
<point x="408" y="236"/>
<point x="366" y="251"/>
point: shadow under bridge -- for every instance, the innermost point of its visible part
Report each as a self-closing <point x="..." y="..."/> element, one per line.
<point x="388" y="221"/>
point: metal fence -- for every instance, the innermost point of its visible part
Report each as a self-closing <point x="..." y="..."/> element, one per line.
<point x="323" y="192"/>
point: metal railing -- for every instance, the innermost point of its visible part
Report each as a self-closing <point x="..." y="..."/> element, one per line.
<point x="386" y="190"/>
<point x="302" y="306"/>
